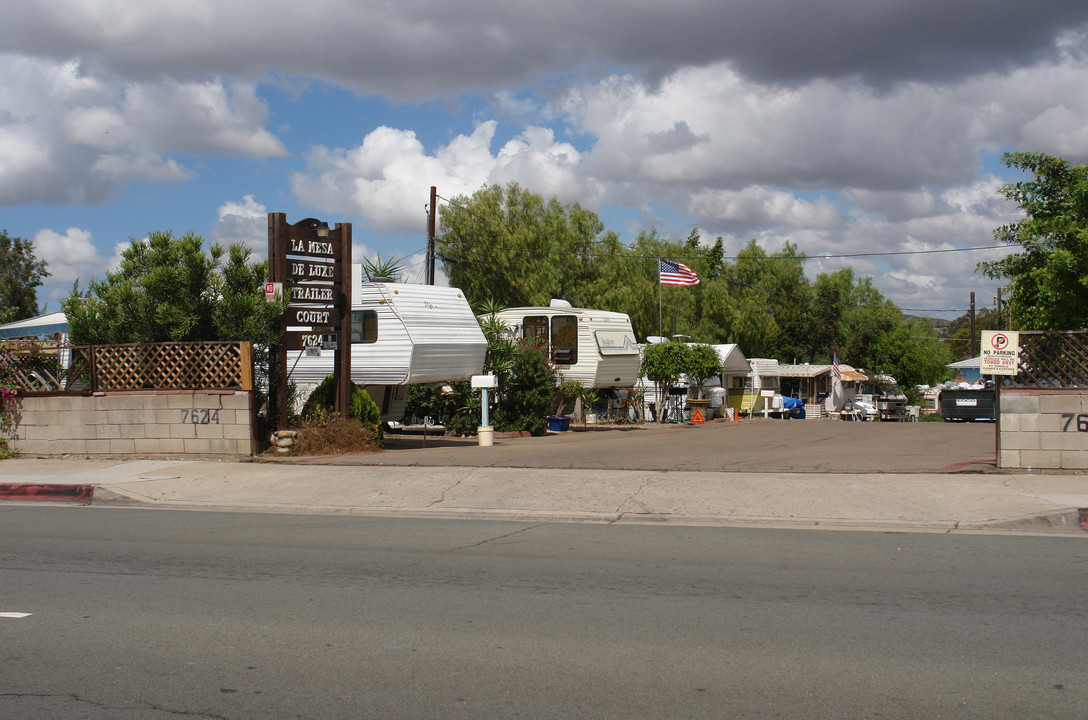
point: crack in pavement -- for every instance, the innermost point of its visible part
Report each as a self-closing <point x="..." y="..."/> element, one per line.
<point x="485" y="541"/>
<point x="451" y="486"/>
<point x="631" y="498"/>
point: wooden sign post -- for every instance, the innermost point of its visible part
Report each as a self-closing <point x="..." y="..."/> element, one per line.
<point x="313" y="265"/>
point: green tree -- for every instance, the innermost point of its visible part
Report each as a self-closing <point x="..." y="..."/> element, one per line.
<point x="171" y="289"/>
<point x="512" y="246"/>
<point x="165" y="289"/>
<point x="771" y="315"/>
<point x="703" y="363"/>
<point x="1048" y="278"/>
<point x="907" y="349"/>
<point x="664" y="363"/>
<point x="21" y="274"/>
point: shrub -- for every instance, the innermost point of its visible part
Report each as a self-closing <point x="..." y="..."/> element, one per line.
<point x="526" y="393"/>
<point x="363" y="409"/>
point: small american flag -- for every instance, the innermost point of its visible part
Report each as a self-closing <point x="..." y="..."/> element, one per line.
<point x="675" y="273"/>
<point x="835" y="368"/>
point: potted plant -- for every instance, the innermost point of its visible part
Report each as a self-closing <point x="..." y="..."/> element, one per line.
<point x="589" y="398"/>
<point x="569" y="391"/>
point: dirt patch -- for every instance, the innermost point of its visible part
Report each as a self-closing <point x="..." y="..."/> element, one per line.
<point x="333" y="437"/>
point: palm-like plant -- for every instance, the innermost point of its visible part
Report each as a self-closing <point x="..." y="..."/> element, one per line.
<point x="378" y="268"/>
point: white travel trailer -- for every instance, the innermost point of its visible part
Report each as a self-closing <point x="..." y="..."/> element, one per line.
<point x="401" y="334"/>
<point x="595" y="347"/>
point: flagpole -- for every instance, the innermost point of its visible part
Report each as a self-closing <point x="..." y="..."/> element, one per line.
<point x="659" y="297"/>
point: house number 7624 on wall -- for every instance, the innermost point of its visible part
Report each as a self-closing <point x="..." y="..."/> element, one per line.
<point x="1082" y="422"/>
<point x="200" y="417"/>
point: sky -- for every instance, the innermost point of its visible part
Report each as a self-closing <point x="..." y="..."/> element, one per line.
<point x="846" y="127"/>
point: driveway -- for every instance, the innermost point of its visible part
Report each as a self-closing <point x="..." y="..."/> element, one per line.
<point x="794" y="446"/>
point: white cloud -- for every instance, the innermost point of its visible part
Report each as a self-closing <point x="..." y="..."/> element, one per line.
<point x="244" y="223"/>
<point x="386" y="179"/>
<point x="759" y="206"/>
<point x="70" y="135"/>
<point x="69" y="257"/>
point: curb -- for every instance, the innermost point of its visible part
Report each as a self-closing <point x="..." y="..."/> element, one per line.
<point x="49" y="493"/>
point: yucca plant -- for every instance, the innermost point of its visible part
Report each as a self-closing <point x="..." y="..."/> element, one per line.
<point x="378" y="268"/>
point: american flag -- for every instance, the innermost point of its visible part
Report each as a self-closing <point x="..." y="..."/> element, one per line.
<point x="675" y="273"/>
<point x="835" y="368"/>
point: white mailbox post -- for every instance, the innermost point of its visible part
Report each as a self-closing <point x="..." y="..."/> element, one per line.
<point x="485" y="432"/>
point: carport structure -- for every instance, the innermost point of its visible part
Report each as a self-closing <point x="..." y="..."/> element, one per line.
<point x="812" y="383"/>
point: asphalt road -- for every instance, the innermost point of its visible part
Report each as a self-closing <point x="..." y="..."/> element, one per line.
<point x="802" y="446"/>
<point x="143" y="614"/>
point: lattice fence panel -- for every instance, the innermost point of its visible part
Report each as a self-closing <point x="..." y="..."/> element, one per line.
<point x="156" y="366"/>
<point x="1051" y="359"/>
<point x="173" y="366"/>
<point x="48" y="369"/>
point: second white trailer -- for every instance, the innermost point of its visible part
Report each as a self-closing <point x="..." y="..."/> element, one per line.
<point x="595" y="347"/>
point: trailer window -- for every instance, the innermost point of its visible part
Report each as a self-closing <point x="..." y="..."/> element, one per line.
<point x="564" y="339"/>
<point x="535" y="330"/>
<point x="364" y="326"/>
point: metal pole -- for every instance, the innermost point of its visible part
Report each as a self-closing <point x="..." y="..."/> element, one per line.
<point x="430" y="236"/>
<point x="659" y="297"/>
<point x="972" y="343"/>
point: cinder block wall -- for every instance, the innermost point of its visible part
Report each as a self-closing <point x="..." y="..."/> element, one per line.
<point x="173" y="422"/>
<point x="1045" y="429"/>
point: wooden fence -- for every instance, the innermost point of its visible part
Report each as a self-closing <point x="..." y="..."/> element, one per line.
<point x="82" y="370"/>
<point x="1050" y="360"/>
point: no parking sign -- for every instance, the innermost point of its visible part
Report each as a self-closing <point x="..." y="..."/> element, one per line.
<point x="1000" y="352"/>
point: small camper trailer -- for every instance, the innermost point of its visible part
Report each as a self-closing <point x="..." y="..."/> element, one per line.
<point x="595" y="347"/>
<point x="400" y="334"/>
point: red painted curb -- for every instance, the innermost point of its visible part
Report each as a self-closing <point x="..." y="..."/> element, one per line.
<point x="51" y="493"/>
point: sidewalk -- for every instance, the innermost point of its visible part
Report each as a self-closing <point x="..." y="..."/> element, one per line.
<point x="915" y="501"/>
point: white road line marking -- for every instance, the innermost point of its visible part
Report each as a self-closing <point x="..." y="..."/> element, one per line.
<point x="14" y="615"/>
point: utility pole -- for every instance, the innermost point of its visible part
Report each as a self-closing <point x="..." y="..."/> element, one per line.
<point x="972" y="344"/>
<point x="999" y="308"/>
<point x="430" y="236"/>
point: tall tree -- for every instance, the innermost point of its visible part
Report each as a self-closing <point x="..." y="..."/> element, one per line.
<point x="21" y="274"/>
<point x="509" y="245"/>
<point x="171" y="289"/>
<point x="164" y="290"/>
<point x="1048" y="278"/>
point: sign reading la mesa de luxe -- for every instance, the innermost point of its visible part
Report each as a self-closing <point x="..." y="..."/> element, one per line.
<point x="315" y="283"/>
<point x="1000" y="352"/>
<point x="312" y="264"/>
